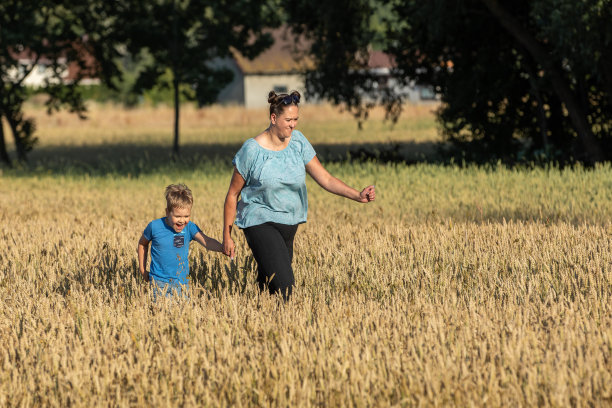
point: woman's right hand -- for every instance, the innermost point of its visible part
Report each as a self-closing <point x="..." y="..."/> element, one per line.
<point x="229" y="212"/>
<point x="229" y="248"/>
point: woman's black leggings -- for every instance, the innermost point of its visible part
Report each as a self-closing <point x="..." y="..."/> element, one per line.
<point x="272" y="246"/>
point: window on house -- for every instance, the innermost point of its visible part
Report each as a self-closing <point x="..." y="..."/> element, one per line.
<point x="427" y="93"/>
<point x="280" y="89"/>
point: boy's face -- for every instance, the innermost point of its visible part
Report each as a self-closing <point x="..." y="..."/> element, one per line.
<point x="177" y="218"/>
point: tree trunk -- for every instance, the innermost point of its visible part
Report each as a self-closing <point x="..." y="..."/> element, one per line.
<point x="3" y="153"/>
<point x="607" y="80"/>
<point x="562" y="89"/>
<point x="175" y="79"/>
<point x="21" y="151"/>
<point x="536" y="92"/>
<point x="175" y="149"/>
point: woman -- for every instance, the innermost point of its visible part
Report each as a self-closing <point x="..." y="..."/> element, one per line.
<point x="270" y="175"/>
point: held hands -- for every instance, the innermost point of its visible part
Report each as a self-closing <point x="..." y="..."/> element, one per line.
<point x="367" y="194"/>
<point x="229" y="248"/>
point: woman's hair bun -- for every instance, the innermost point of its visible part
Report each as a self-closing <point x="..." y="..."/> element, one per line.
<point x="271" y="97"/>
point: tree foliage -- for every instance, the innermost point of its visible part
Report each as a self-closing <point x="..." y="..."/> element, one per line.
<point x="188" y="37"/>
<point x="341" y="35"/>
<point x="182" y="37"/>
<point x="516" y="78"/>
<point x="51" y="34"/>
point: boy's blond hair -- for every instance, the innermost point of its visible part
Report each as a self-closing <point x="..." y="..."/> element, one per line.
<point x="178" y="196"/>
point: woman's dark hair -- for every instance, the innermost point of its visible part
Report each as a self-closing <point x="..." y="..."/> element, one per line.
<point x="278" y="102"/>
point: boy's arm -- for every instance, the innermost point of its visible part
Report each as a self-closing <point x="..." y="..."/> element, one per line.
<point x="207" y="242"/>
<point x="143" y="251"/>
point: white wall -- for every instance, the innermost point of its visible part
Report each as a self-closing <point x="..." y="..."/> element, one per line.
<point x="36" y="77"/>
<point x="233" y="93"/>
<point x="257" y="87"/>
<point x="41" y="72"/>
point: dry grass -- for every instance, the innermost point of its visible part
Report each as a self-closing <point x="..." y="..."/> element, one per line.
<point x="140" y="141"/>
<point x="460" y="287"/>
<point x="109" y="124"/>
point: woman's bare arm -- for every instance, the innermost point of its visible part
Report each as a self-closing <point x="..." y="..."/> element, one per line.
<point x="337" y="186"/>
<point x="229" y="212"/>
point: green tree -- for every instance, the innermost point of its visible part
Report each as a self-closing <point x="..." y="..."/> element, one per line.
<point x="341" y="35"/>
<point x="189" y="37"/>
<point x="515" y="77"/>
<point x="49" y="34"/>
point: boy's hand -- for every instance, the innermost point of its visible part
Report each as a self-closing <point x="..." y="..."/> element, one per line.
<point x="145" y="275"/>
<point x="229" y="248"/>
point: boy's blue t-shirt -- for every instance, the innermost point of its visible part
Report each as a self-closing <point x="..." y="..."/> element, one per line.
<point x="275" y="182"/>
<point x="169" y="251"/>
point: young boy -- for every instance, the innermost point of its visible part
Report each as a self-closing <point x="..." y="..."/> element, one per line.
<point x="170" y="237"/>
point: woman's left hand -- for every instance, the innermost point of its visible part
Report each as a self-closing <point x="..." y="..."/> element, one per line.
<point x="367" y="194"/>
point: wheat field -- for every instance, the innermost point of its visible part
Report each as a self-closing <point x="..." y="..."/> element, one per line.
<point x="459" y="286"/>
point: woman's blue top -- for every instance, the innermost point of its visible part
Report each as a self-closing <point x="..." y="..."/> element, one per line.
<point x="275" y="182"/>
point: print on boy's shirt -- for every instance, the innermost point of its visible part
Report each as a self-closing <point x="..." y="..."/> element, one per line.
<point x="179" y="240"/>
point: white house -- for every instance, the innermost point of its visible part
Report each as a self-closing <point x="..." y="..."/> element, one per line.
<point x="41" y="70"/>
<point x="277" y="69"/>
<point x="274" y="69"/>
<point x="381" y="65"/>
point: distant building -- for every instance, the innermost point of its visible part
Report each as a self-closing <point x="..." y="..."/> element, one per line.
<point x="40" y="69"/>
<point x="381" y="65"/>
<point x="274" y="69"/>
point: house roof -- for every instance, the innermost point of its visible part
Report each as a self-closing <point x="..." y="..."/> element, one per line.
<point x="89" y="68"/>
<point x="379" y="59"/>
<point x="280" y="58"/>
<point x="26" y="56"/>
<point x="74" y="71"/>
